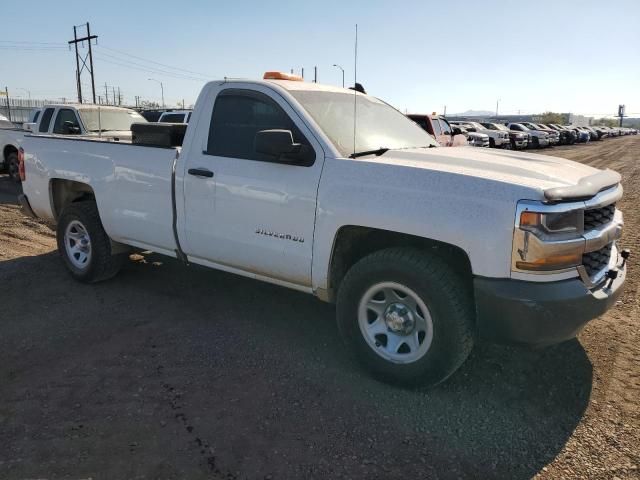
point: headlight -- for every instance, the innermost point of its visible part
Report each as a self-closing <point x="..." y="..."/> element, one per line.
<point x="552" y="222"/>
<point x="548" y="241"/>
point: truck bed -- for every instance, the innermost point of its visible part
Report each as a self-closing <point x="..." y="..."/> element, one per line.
<point x="140" y="213"/>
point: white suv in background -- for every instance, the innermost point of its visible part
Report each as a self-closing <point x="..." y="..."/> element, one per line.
<point x="538" y="137"/>
<point x="176" y="116"/>
<point x="497" y="138"/>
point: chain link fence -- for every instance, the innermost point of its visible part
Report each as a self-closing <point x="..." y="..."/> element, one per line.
<point x="18" y="109"/>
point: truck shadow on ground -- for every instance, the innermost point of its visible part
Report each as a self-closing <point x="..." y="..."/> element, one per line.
<point x="265" y="383"/>
<point x="9" y="190"/>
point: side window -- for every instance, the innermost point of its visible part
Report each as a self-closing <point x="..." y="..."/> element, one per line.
<point x="46" y="120"/>
<point x="66" y="122"/>
<point x="437" y="130"/>
<point x="238" y="115"/>
<point x="446" y="129"/>
<point x="516" y="127"/>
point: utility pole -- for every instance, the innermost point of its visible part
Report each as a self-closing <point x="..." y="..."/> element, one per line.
<point x="342" y="69"/>
<point x="315" y="74"/>
<point x="119" y="97"/>
<point x="445" y="111"/>
<point x="6" y="94"/>
<point x="303" y="73"/>
<point x="83" y="59"/>
<point x="106" y="93"/>
<point x="161" y="89"/>
<point x="621" y="109"/>
<point x="497" y="102"/>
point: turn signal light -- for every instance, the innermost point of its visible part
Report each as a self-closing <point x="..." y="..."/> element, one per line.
<point x="282" y="76"/>
<point x="552" y="262"/>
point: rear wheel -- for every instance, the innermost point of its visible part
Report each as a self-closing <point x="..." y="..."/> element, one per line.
<point x="407" y="316"/>
<point x="535" y="142"/>
<point x="492" y="143"/>
<point x="84" y="245"/>
<point x="12" y="167"/>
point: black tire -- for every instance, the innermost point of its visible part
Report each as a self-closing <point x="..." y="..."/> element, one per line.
<point x="535" y="142"/>
<point x="448" y="300"/>
<point x="102" y="264"/>
<point x="492" y="143"/>
<point x="13" y="167"/>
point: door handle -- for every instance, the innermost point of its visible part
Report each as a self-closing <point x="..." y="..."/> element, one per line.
<point x="200" y="172"/>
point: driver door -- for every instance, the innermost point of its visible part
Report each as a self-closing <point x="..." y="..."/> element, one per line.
<point x="244" y="209"/>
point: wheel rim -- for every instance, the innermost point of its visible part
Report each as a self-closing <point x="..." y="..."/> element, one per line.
<point x="13" y="170"/>
<point x="395" y="322"/>
<point x="77" y="244"/>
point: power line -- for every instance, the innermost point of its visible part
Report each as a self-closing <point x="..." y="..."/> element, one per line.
<point x="142" y="68"/>
<point x="156" y="63"/>
<point x="148" y="68"/>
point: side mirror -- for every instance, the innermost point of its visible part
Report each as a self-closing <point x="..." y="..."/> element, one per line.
<point x="71" y="128"/>
<point x="277" y="143"/>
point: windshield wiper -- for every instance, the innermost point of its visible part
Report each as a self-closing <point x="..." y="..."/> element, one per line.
<point x="377" y="153"/>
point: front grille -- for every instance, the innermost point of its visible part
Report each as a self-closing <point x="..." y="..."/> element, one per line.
<point x="597" y="217"/>
<point x="595" y="261"/>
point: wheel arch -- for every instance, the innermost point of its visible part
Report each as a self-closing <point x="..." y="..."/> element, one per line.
<point x="64" y="192"/>
<point x="353" y="242"/>
<point x="7" y="150"/>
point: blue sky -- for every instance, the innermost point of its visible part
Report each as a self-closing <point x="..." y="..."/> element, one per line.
<point x="537" y="55"/>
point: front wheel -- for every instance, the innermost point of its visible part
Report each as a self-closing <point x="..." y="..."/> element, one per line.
<point x="407" y="316"/>
<point x="84" y="245"/>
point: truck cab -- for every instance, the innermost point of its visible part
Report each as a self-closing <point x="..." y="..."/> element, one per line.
<point x="438" y="127"/>
<point x="87" y="120"/>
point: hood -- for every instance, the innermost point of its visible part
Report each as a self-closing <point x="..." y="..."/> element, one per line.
<point x="538" y="172"/>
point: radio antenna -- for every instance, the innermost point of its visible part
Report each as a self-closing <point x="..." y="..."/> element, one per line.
<point x="355" y="91"/>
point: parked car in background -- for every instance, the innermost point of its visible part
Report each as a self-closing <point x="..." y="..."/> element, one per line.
<point x="553" y="136"/>
<point x="474" y="139"/>
<point x="439" y="128"/>
<point x="594" y="134"/>
<point x="582" y="135"/>
<point x="518" y="140"/>
<point x="30" y="124"/>
<point x="88" y="120"/>
<point x="567" y="136"/>
<point x="176" y="116"/>
<point x="538" y="138"/>
<point x="152" y="115"/>
<point x="497" y="138"/>
<point x="421" y="248"/>
<point x="11" y="139"/>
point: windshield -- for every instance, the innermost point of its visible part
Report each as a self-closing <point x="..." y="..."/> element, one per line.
<point x="378" y="124"/>
<point x="109" y="119"/>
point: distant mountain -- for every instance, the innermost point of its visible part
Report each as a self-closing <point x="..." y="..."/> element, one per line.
<point x="473" y="113"/>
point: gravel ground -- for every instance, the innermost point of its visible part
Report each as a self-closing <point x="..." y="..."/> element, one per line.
<point x="182" y="372"/>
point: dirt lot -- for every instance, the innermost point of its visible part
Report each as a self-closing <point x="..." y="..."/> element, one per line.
<point x="175" y="372"/>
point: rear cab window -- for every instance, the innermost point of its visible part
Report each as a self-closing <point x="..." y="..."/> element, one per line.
<point x="173" y="118"/>
<point x="46" y="120"/>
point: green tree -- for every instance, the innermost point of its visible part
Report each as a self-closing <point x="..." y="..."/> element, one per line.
<point x="551" y="117"/>
<point x="607" y="122"/>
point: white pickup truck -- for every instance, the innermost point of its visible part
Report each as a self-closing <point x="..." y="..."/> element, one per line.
<point x="422" y="248"/>
<point x="10" y="140"/>
<point x="87" y="120"/>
